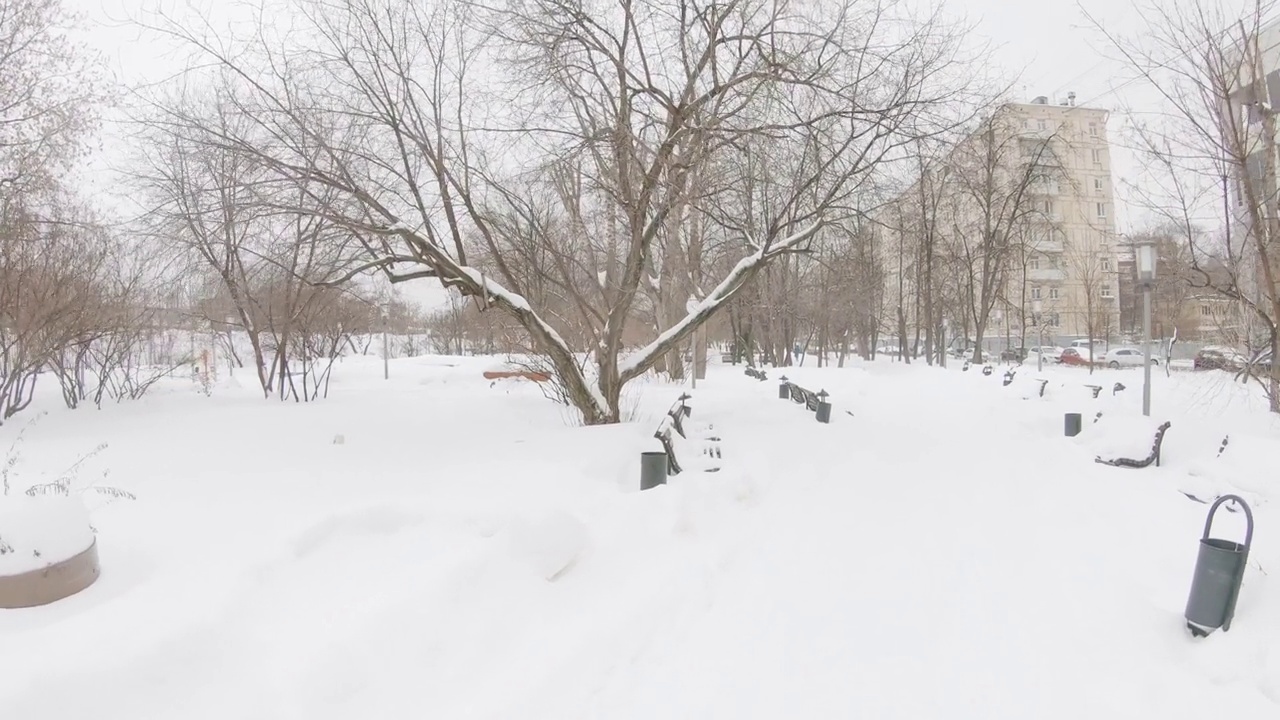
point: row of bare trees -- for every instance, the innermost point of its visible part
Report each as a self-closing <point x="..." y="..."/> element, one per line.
<point x="607" y="176"/>
<point x="74" y="291"/>
<point x="597" y="180"/>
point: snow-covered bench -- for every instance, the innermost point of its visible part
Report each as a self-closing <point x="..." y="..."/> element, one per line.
<point x="1152" y="457"/>
<point x="802" y="396"/>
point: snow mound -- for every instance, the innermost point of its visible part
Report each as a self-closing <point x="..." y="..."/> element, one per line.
<point x="1121" y="436"/>
<point x="369" y="521"/>
<point x="551" y="545"/>
<point x="1234" y="471"/>
<point x="36" y="532"/>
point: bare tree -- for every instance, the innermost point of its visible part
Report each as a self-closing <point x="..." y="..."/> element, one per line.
<point x="50" y="89"/>
<point x="49" y="93"/>
<point x="1212" y="147"/>
<point x="1096" y="292"/>
<point x="783" y="108"/>
<point x="53" y="301"/>
<point x="998" y="188"/>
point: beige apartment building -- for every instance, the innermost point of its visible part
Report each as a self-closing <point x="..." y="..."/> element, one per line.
<point x="1045" y="207"/>
<point x="1243" y="256"/>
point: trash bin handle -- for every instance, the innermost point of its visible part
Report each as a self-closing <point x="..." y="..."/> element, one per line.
<point x="1248" y="515"/>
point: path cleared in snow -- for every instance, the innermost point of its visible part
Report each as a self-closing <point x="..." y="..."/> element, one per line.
<point x="941" y="552"/>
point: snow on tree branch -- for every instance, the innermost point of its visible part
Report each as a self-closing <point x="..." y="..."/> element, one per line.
<point x="746" y="268"/>
<point x="491" y="290"/>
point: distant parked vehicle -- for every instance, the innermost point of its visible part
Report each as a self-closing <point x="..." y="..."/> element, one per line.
<point x="1052" y="353"/>
<point x="1013" y="355"/>
<point x="1077" y="356"/>
<point x="1124" y="357"/>
<point x="1086" y="343"/>
<point x="1219" y="358"/>
<point x="1262" y="362"/>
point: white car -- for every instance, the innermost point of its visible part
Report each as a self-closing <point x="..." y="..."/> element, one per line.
<point x="1052" y="353"/>
<point x="1125" y="357"/>
<point x="1086" y="342"/>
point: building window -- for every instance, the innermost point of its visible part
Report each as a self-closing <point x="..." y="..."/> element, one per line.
<point x="1106" y="291"/>
<point x="1053" y="293"/>
<point x="1034" y="263"/>
<point x="1097" y="156"/>
<point x="1093" y="129"/>
<point x="1106" y="264"/>
<point x="1035" y="293"/>
<point x="1206" y="311"/>
<point x="1102" y="210"/>
<point x="1053" y="319"/>
<point x="1048" y="207"/>
<point x="1041" y="125"/>
<point x="1097" y="185"/>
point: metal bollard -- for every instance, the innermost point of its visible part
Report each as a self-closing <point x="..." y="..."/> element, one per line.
<point x="1215" y="586"/>
<point x="784" y="390"/>
<point x="823" y="412"/>
<point x="653" y="469"/>
<point x="1071" y="424"/>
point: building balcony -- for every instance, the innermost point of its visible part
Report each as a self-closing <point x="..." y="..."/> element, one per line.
<point x="1048" y="246"/>
<point x="1047" y="275"/>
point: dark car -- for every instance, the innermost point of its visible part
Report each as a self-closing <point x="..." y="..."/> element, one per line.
<point x="1214" y="358"/>
<point x="1262" y="362"/>
<point x="1013" y="355"/>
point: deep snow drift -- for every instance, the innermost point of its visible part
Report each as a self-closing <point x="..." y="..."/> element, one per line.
<point x="941" y="552"/>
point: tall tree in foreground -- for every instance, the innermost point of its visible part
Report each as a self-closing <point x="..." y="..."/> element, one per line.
<point x="452" y="128"/>
<point x="1212" y="149"/>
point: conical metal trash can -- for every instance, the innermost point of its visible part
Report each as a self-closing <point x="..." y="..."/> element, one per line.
<point x="1215" y="586"/>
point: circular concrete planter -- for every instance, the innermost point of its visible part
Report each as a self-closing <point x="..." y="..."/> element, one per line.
<point x="47" y="550"/>
<point x="52" y="583"/>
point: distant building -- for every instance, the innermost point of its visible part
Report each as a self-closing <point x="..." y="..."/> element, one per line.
<point x="1066" y="259"/>
<point x="1244" y="111"/>
<point x="1199" y="315"/>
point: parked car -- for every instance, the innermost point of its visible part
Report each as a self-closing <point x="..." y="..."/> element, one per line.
<point x="1124" y="357"/>
<point x="1076" y="356"/>
<point x="1086" y="343"/>
<point x="1261" y="362"/>
<point x="1219" y="358"/>
<point x="1052" y="353"/>
<point x="1013" y="355"/>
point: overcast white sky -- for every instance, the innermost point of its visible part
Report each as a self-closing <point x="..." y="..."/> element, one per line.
<point x="1047" y="44"/>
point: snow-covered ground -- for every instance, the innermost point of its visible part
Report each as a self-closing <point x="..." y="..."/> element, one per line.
<point x="941" y="552"/>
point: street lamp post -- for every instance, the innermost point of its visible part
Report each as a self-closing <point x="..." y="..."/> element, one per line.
<point x="1146" y="257"/>
<point x="386" y="346"/>
<point x="1035" y="315"/>
<point x="691" y="306"/>
<point x="998" y="316"/>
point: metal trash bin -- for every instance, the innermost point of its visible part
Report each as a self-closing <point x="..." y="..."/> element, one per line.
<point x="1215" y="586"/>
<point x="653" y="469"/>
<point x="1071" y="423"/>
<point x="823" y="411"/>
